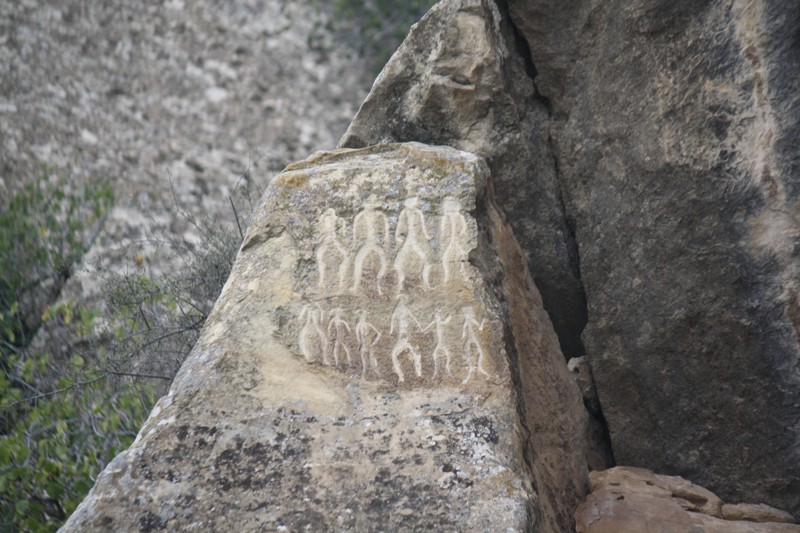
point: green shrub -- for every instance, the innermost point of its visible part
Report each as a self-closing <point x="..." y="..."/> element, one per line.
<point x="60" y="421"/>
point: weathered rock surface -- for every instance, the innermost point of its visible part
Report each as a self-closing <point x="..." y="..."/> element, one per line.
<point x="634" y="500"/>
<point x="379" y="360"/>
<point x="459" y="80"/>
<point x="676" y="127"/>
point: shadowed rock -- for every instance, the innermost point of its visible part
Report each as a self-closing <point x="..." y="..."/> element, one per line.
<point x="676" y="127"/>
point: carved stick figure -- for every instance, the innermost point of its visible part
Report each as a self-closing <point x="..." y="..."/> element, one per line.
<point x="337" y="327"/>
<point x="471" y="342"/>
<point x="372" y="224"/>
<point x="312" y="340"/>
<point x="441" y="348"/>
<point x="365" y="347"/>
<point x="329" y="244"/>
<point x="410" y="228"/>
<point x="454" y="237"/>
<point x="400" y="318"/>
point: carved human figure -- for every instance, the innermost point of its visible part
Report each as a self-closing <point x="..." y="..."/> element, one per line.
<point x="336" y="328"/>
<point x="412" y="239"/>
<point x="369" y="226"/>
<point x="312" y="339"/>
<point x="400" y="320"/>
<point x="367" y="336"/>
<point x="454" y="238"/>
<point x="441" y="346"/>
<point x="330" y="247"/>
<point x="472" y="343"/>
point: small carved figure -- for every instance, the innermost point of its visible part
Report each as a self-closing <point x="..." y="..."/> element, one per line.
<point x="368" y="227"/>
<point x="410" y="231"/>
<point x="330" y="247"/>
<point x="454" y="237"/>
<point x="337" y="327"/>
<point x="471" y="342"/>
<point x="400" y="318"/>
<point x="312" y="339"/>
<point x="441" y="347"/>
<point x="366" y="348"/>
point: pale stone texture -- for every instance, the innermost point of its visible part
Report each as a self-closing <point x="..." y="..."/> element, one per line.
<point x="634" y="500"/>
<point x="676" y="126"/>
<point x="379" y="360"/>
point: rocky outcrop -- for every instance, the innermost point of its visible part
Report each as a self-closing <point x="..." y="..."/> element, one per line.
<point x="634" y="500"/>
<point x="460" y="80"/>
<point x="379" y="360"/>
<point x="676" y="129"/>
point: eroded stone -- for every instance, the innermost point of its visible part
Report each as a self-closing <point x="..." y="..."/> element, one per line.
<point x="361" y="370"/>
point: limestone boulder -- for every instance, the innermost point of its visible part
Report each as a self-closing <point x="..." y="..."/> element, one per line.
<point x="676" y="127"/>
<point x="379" y="360"/>
<point x="634" y="500"/>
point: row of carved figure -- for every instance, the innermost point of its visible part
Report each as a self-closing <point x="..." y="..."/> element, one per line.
<point x="370" y="236"/>
<point x="316" y="337"/>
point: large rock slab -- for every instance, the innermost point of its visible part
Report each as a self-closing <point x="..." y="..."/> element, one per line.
<point x="634" y="500"/>
<point x="460" y="80"/>
<point x="676" y="129"/>
<point x="379" y="360"/>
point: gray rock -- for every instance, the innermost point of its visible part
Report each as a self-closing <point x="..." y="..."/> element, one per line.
<point x="676" y="129"/>
<point x="459" y="80"/>
<point x="379" y="360"/>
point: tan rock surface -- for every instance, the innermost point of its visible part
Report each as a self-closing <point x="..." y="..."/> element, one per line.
<point x="361" y="370"/>
<point x="755" y="513"/>
<point x="635" y="500"/>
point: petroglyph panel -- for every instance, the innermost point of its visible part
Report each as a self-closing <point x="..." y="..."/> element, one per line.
<point x="386" y="291"/>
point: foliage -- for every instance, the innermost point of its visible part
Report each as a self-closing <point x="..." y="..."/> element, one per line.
<point x="44" y="232"/>
<point x="60" y="421"/>
<point x="374" y="27"/>
<point x="53" y="449"/>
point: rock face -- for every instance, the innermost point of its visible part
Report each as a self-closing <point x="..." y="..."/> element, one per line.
<point x="459" y="80"/>
<point x="378" y="361"/>
<point x="676" y="127"/>
<point x="634" y="500"/>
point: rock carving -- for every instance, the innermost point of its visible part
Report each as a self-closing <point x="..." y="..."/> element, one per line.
<point x="366" y="347"/>
<point x="400" y="318"/>
<point x="454" y="237"/>
<point x="471" y="343"/>
<point x="337" y="327"/>
<point x="410" y="229"/>
<point x="368" y="226"/>
<point x="441" y="347"/>
<point x="312" y="339"/>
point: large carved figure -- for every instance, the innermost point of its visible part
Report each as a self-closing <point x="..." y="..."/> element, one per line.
<point x="369" y="226"/>
<point x="454" y="237"/>
<point x="412" y="239"/>
<point x="331" y="253"/>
